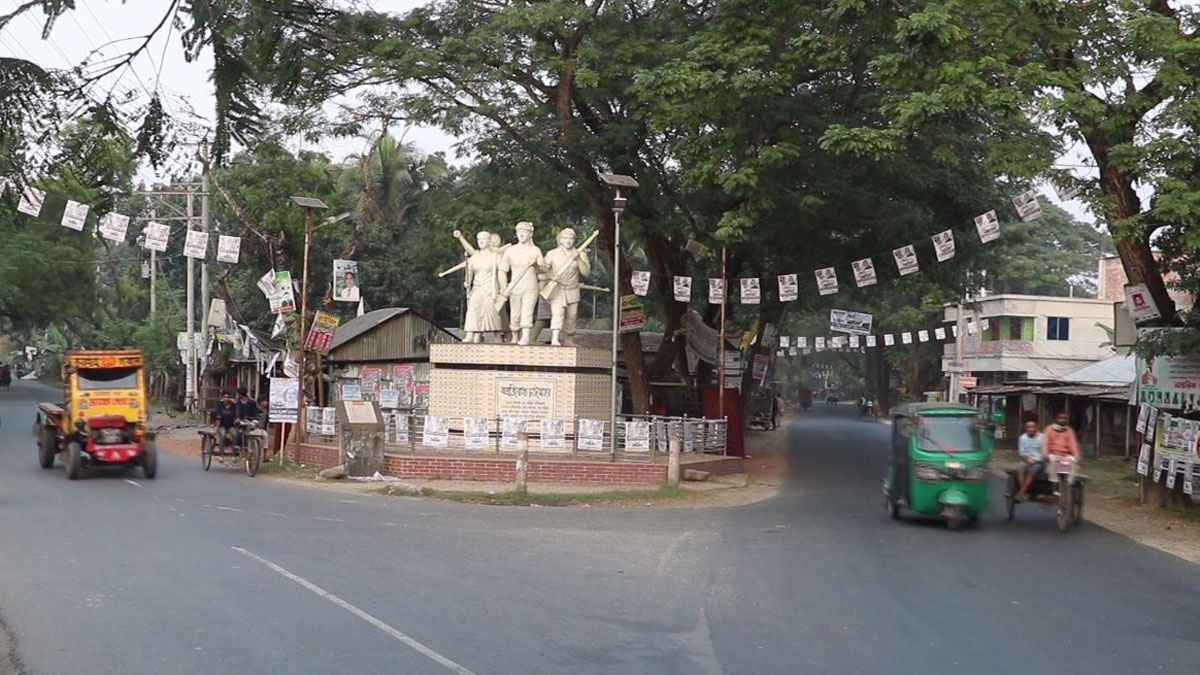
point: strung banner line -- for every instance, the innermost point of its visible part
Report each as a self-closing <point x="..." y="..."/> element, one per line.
<point x="872" y="341"/>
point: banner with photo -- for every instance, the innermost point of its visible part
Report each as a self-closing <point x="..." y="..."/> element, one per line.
<point x="864" y="272"/>
<point x="751" y="291"/>
<point x="827" y="283"/>
<point x="906" y="260"/>
<point x="789" y="287"/>
<point x="345" y="281"/>
<point x="943" y="245"/>
<point x="683" y="289"/>
<point x="640" y="280"/>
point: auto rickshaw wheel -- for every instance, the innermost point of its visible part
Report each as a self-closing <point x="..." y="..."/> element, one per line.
<point x="74" y="460"/>
<point x="253" y="456"/>
<point x="47" y="440"/>
<point x="150" y="460"/>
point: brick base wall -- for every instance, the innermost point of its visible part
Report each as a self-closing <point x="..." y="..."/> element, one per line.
<point x="320" y="456"/>
<point x="540" y="471"/>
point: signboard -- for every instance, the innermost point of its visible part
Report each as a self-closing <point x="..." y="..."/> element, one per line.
<point x="1169" y="381"/>
<point x="845" y="321"/>
<point x="320" y="334"/>
<point x="968" y="382"/>
<point x="531" y="399"/>
<point x="591" y="434"/>
<point x="284" y="400"/>
<point x="633" y="314"/>
<point x="1140" y="304"/>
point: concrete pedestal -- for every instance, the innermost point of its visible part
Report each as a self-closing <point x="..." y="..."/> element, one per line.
<point x="535" y="382"/>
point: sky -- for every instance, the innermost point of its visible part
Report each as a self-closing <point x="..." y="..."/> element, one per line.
<point x="162" y="66"/>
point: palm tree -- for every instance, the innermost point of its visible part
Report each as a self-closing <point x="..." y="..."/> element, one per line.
<point x="387" y="177"/>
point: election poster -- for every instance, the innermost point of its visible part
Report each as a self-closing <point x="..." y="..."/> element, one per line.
<point x="475" y="433"/>
<point x="716" y="291"/>
<point x="943" y="245"/>
<point x="906" y="260"/>
<point x="827" y="283"/>
<point x="114" y="226"/>
<point x="554" y="435"/>
<point x="1027" y="206"/>
<point x="284" y="398"/>
<point x="864" y="272"/>
<point x="988" y="226"/>
<point x="345" y="281"/>
<point x="320" y="335"/>
<point x="640" y="280"/>
<point x="228" y="249"/>
<point x="789" y="288"/>
<point x="31" y="202"/>
<point x="751" y="291"/>
<point x="683" y="289"/>
<point x="75" y="215"/>
<point x="196" y="244"/>
<point x="591" y="434"/>
<point x="155" y="237"/>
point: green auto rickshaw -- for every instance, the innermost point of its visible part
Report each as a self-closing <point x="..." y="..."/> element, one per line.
<point x="939" y="462"/>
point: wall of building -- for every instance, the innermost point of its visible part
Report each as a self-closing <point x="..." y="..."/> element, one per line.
<point x="1112" y="282"/>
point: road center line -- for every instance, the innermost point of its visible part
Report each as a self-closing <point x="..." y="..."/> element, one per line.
<point x="133" y="483"/>
<point x="321" y="592"/>
<point x="228" y="508"/>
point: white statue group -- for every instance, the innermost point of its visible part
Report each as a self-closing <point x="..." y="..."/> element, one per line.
<point x="517" y="274"/>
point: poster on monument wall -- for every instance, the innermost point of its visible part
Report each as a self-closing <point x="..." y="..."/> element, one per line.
<point x="436" y="432"/>
<point x="475" y="433"/>
<point x="526" y="398"/>
<point x="637" y="435"/>
<point x="554" y="435"/>
<point x="510" y="432"/>
<point x="591" y="434"/>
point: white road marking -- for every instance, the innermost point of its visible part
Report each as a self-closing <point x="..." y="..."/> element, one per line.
<point x="329" y="520"/>
<point x="277" y="515"/>
<point x="321" y="592"/>
<point x="228" y="508"/>
<point x="133" y="483"/>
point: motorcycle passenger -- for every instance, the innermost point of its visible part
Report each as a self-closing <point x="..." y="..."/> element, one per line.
<point x="224" y="420"/>
<point x="1033" y="462"/>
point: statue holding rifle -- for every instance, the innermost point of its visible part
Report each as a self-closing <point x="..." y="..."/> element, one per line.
<point x="565" y="268"/>
<point x="519" y="267"/>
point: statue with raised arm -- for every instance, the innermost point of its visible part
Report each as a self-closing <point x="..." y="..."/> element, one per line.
<point x="565" y="268"/>
<point x="519" y="267"/>
<point x="483" y="285"/>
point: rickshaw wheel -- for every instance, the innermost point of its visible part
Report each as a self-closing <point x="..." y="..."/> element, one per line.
<point x="1010" y="496"/>
<point x="1076" y="503"/>
<point x="253" y="456"/>
<point x="206" y="452"/>
<point x="1064" y="507"/>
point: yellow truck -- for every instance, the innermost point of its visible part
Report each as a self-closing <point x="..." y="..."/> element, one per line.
<point x="103" y="421"/>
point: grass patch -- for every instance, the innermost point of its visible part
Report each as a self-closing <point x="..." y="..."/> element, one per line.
<point x="513" y="498"/>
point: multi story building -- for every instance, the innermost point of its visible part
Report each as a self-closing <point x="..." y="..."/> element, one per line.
<point x="1030" y="337"/>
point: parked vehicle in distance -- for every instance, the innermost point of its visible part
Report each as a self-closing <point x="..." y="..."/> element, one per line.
<point x="103" y="420"/>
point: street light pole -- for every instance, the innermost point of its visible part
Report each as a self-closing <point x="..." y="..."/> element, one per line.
<point x="721" y="341"/>
<point x="309" y="204"/>
<point x="616" y="181"/>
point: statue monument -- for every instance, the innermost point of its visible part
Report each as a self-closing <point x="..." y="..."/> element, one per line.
<point x="483" y="286"/>
<point x="565" y="268"/>
<point x="519" y="267"/>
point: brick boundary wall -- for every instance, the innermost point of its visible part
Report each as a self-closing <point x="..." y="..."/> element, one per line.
<point x="320" y="456"/>
<point x="540" y="471"/>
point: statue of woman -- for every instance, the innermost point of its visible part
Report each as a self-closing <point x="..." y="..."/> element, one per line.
<point x="483" y="287"/>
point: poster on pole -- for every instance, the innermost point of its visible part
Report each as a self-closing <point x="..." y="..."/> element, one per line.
<point x="475" y="433"/>
<point x="864" y="272"/>
<point x="284" y="400"/>
<point x="285" y="296"/>
<point x="345" y="281"/>
<point x="155" y="237"/>
<point x="826" y="280"/>
<point x="906" y="338"/>
<point x="923" y="335"/>
<point x="716" y="291"/>
<point x="845" y="321"/>
<point x="1027" y="206"/>
<point x="939" y="333"/>
<point x="320" y="334"/>
<point x="75" y="215"/>
<point x="640" y="280"/>
<point x="633" y="314"/>
<point x="553" y="435"/>
<point x="114" y="226"/>
<point x="228" y="249"/>
<point x="751" y="291"/>
<point x="683" y="289"/>
<point x="789" y="288"/>
<point x="196" y="244"/>
<point x="906" y="260"/>
<point x="943" y="245"/>
<point x="1140" y="304"/>
<point x="988" y="226"/>
<point x="31" y="201"/>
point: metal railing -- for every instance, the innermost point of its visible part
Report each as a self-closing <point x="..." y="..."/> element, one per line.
<point x="651" y="435"/>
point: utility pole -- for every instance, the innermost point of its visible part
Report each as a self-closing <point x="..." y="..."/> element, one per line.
<point x="153" y="271"/>
<point x="204" y="225"/>
<point x="721" y="340"/>
<point x="310" y="205"/>
<point x="190" y="370"/>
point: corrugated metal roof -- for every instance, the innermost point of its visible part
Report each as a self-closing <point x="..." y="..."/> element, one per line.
<point x="361" y="324"/>
<point x="1111" y="371"/>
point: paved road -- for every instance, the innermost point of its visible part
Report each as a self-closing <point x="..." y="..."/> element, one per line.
<point x="219" y="573"/>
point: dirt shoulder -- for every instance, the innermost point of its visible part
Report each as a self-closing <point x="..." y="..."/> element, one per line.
<point x="1112" y="502"/>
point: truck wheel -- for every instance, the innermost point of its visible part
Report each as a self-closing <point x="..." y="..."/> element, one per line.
<point x="150" y="460"/>
<point x="47" y="442"/>
<point x="74" y="460"/>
